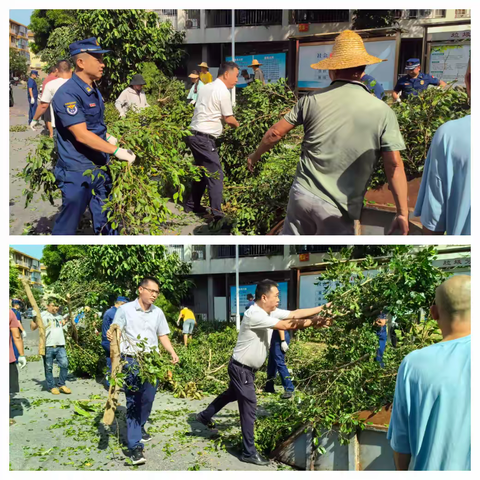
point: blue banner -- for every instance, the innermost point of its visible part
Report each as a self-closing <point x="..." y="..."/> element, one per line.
<point x="273" y="67"/>
<point x="246" y="289"/>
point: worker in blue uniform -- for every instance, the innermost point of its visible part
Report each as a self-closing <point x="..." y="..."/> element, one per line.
<point x="32" y="95"/>
<point x="373" y="85"/>
<point x="108" y="317"/>
<point x="83" y="143"/>
<point x="381" y="324"/>
<point x="415" y="81"/>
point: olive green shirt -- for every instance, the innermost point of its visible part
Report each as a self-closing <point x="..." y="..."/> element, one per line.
<point x="346" y="129"/>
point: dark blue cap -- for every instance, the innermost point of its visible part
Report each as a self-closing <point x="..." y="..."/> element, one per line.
<point x="412" y="63"/>
<point x="16" y="302"/>
<point x="382" y="315"/>
<point x="122" y="299"/>
<point x="35" y="72"/>
<point x="89" y="45"/>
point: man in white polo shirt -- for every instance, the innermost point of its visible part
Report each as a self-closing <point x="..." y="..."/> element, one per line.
<point x="64" y="73"/>
<point x="140" y="318"/>
<point x="250" y="354"/>
<point x="212" y="110"/>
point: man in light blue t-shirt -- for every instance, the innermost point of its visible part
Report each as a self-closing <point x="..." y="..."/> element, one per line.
<point x="430" y="425"/>
<point x="443" y="203"/>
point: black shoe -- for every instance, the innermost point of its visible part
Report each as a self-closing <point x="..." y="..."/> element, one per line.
<point x="196" y="211"/>
<point x="137" y="456"/>
<point x="146" y="437"/>
<point x="210" y="424"/>
<point x="286" y="395"/>
<point x="256" y="459"/>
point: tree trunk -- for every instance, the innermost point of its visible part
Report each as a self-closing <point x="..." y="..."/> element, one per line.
<point x="39" y="322"/>
<point x="72" y="322"/>
<point x="112" y="401"/>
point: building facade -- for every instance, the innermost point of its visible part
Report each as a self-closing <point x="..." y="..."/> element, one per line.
<point x="35" y="61"/>
<point x="295" y="268"/>
<point x="30" y="268"/>
<point x="18" y="38"/>
<point x="208" y="33"/>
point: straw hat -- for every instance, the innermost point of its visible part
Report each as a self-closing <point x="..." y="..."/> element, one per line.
<point x="348" y="52"/>
<point x="193" y="75"/>
<point x="255" y="63"/>
<point x="203" y="64"/>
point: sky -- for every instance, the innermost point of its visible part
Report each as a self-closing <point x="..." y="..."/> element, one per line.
<point x="32" y="250"/>
<point x="21" y="16"/>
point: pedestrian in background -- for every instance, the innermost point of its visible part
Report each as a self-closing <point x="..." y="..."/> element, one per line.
<point x="15" y="339"/>
<point x="32" y="95"/>
<point x="444" y="198"/>
<point x="212" y="110"/>
<point x="133" y="97"/>
<point x="205" y="75"/>
<point x="140" y="319"/>
<point x="381" y="331"/>
<point x="430" y="426"/>
<point x="257" y="71"/>
<point x="189" y="323"/>
<point x="197" y="84"/>
<point x="47" y="115"/>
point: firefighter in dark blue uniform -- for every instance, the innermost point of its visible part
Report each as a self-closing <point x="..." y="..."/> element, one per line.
<point x="381" y="325"/>
<point x="83" y="143"/>
<point x="32" y="95"/>
<point x="414" y="81"/>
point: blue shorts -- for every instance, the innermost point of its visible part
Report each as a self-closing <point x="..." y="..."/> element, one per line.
<point x="188" y="326"/>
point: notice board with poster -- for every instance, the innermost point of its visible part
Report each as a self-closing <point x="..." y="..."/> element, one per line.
<point x="309" y="53"/>
<point x="273" y="66"/>
<point x="246" y="289"/>
<point x="449" y="62"/>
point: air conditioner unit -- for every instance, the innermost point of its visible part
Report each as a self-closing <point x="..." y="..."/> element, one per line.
<point x="194" y="255"/>
<point x="189" y="24"/>
<point x="201" y="317"/>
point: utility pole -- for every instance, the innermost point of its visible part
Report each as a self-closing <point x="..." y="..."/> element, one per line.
<point x="237" y="290"/>
<point x="233" y="54"/>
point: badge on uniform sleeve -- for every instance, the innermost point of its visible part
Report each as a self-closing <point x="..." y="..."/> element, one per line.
<point x="71" y="108"/>
<point x="421" y="82"/>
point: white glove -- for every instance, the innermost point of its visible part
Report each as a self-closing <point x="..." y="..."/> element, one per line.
<point x="125" y="155"/>
<point x="112" y="140"/>
<point x="24" y="334"/>
<point x="284" y="346"/>
<point x="33" y="124"/>
<point x="22" y="361"/>
<point x="32" y="100"/>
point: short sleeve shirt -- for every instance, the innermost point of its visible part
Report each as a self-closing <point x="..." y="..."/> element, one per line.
<point x="253" y="340"/>
<point x="206" y="77"/>
<point x="77" y="102"/>
<point x="431" y="407"/>
<point x="134" y="322"/>
<point x="187" y="314"/>
<point x="259" y="75"/>
<point x="213" y="103"/>
<point x="346" y="129"/>
<point x="444" y="198"/>
<point x="49" y="91"/>
<point x="14" y="323"/>
<point x="54" y="336"/>
<point x="411" y="86"/>
<point x="31" y="83"/>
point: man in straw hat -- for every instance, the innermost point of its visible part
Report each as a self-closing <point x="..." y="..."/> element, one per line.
<point x="257" y="71"/>
<point x="132" y="98"/>
<point x="196" y="85"/>
<point x="347" y="130"/>
<point x="205" y="75"/>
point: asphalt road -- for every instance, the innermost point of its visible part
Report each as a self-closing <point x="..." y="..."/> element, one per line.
<point x="39" y="217"/>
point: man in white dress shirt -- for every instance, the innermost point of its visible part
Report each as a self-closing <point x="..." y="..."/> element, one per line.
<point x="212" y="109"/>
<point x="250" y="354"/>
<point x="133" y="97"/>
<point x="140" y="318"/>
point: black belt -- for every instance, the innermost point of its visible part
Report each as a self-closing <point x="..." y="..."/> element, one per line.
<point x="201" y="134"/>
<point x="243" y="366"/>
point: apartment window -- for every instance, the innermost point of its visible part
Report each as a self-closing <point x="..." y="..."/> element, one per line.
<point x="245" y="18"/>
<point x="178" y="249"/>
<point x="193" y="19"/>
<point x="398" y="14"/>
<point x="228" y="251"/>
<point x="412" y="14"/>
<point x="439" y="13"/>
<point x="462" y="13"/>
<point x="168" y="13"/>
<point x="297" y="249"/>
<point x="198" y="252"/>
<point x="318" y="16"/>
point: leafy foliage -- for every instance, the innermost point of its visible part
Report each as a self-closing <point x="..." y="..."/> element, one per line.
<point x="44" y="22"/>
<point x="14" y="284"/>
<point x="17" y="63"/>
<point x="54" y="258"/>
<point x="57" y="44"/>
<point x="364" y="19"/>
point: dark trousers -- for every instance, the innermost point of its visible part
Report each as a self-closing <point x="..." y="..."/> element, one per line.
<point x="77" y="196"/>
<point x="205" y="154"/>
<point x="109" y="362"/>
<point x="60" y="354"/>
<point x="381" y="350"/>
<point x="276" y="363"/>
<point x="140" y="397"/>
<point x="31" y="110"/>
<point x="242" y="390"/>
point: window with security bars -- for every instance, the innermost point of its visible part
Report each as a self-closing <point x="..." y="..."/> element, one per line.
<point x="462" y="13"/>
<point x="298" y="249"/>
<point x="192" y="20"/>
<point x="318" y="16"/>
<point x="245" y="18"/>
<point x="228" y="251"/>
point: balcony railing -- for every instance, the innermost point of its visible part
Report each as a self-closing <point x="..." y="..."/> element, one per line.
<point x="228" y="251"/>
<point x="297" y="249"/>
<point x="178" y="249"/>
<point x="168" y="15"/>
<point x="243" y="18"/>
<point x="319" y="16"/>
